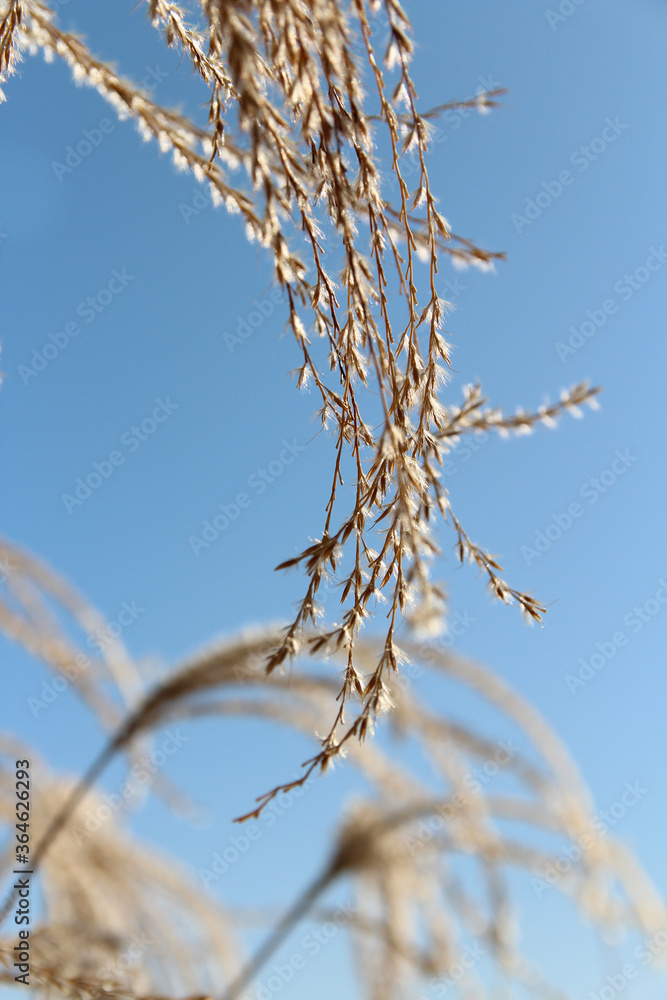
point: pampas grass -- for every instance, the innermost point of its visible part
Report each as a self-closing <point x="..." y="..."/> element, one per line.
<point x="301" y="103"/>
<point x="302" y="108"/>
<point x="394" y="851"/>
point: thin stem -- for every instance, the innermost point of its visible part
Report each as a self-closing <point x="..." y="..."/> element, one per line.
<point x="281" y="931"/>
<point x="60" y="819"/>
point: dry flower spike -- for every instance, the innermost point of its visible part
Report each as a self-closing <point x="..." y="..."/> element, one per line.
<point x="410" y="907"/>
<point x="303" y="103"/>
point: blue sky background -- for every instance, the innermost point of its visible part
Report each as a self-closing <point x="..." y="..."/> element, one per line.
<point x="163" y="337"/>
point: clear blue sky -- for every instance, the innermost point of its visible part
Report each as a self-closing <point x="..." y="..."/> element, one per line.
<point x="587" y="97"/>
